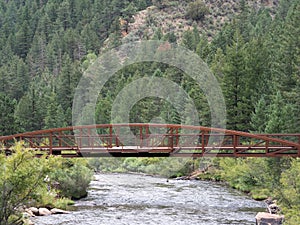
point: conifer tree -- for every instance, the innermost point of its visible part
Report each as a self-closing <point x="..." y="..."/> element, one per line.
<point x="7" y="120"/>
<point x="237" y="104"/>
<point x="259" y="117"/>
<point x="67" y="82"/>
<point x="54" y="113"/>
<point x="280" y="117"/>
<point x="29" y="111"/>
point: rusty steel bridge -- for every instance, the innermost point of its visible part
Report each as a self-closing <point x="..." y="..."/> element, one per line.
<point x="153" y="140"/>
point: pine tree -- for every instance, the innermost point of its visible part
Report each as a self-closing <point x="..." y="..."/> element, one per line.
<point x="66" y="83"/>
<point x="259" y="117"/>
<point x="190" y="39"/>
<point x="7" y="120"/>
<point x="280" y="118"/>
<point x="23" y="40"/>
<point x="29" y="111"/>
<point x="64" y="15"/>
<point x="54" y="51"/>
<point x="71" y="42"/>
<point x="54" y="113"/>
<point x="218" y="63"/>
<point x="158" y="35"/>
<point x="257" y="68"/>
<point x="37" y="55"/>
<point x="237" y="103"/>
<point x="202" y="48"/>
<point x="14" y="78"/>
<point x="45" y="27"/>
<point x="287" y="67"/>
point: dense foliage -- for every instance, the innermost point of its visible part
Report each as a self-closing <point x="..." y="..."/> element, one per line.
<point x="46" y="45"/>
<point x="29" y="181"/>
<point x="73" y="178"/>
<point x="20" y="175"/>
<point x="166" y="167"/>
<point x="197" y="10"/>
<point x="262" y="178"/>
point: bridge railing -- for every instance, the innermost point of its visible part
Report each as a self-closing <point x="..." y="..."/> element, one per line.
<point x="169" y="139"/>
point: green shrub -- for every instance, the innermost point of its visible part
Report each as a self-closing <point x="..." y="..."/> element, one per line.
<point x="197" y="10"/>
<point x="21" y="175"/>
<point x="63" y="203"/>
<point x="245" y="174"/>
<point x="289" y="194"/>
<point x="260" y="193"/>
<point x="73" y="181"/>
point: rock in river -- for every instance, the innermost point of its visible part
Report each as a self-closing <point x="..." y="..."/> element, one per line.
<point x="44" y="212"/>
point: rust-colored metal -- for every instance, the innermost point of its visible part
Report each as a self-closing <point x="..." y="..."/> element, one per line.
<point x="177" y="140"/>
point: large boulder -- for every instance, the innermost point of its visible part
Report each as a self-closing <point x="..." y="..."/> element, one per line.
<point x="44" y="212"/>
<point x="263" y="218"/>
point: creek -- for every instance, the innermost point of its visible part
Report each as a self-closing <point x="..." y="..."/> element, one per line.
<point x="141" y="199"/>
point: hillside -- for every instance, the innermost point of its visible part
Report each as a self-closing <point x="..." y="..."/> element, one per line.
<point x="172" y="17"/>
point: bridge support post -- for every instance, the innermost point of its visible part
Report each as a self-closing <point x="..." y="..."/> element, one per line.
<point x="51" y="143"/>
<point x="235" y="143"/>
<point x="141" y="137"/>
<point x="110" y="136"/>
<point x="177" y="137"/>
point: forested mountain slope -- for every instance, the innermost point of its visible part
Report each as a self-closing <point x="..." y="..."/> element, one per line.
<point x="251" y="46"/>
